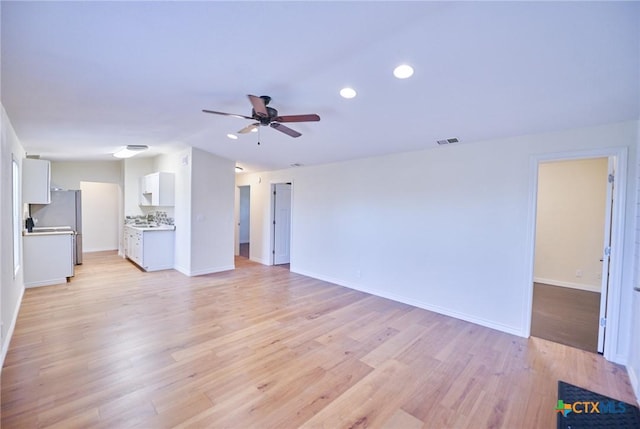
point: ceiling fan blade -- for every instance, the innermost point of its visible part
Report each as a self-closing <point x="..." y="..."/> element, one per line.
<point x="227" y="114"/>
<point x="286" y="130"/>
<point x="298" y="118"/>
<point x="258" y="106"/>
<point x="249" y="128"/>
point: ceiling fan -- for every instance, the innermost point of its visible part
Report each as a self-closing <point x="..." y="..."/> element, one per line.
<point x="268" y="116"/>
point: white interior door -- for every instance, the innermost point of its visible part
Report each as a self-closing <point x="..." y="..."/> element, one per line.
<point x="236" y="228"/>
<point x="281" y="223"/>
<point x="245" y="215"/>
<point x="606" y="258"/>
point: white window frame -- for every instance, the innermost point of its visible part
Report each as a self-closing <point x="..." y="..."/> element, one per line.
<point x="17" y="218"/>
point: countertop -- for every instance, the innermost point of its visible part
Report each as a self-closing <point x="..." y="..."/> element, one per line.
<point x="48" y="232"/>
<point x="152" y="228"/>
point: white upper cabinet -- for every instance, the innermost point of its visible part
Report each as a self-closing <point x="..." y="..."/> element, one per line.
<point x="157" y="189"/>
<point x="36" y="181"/>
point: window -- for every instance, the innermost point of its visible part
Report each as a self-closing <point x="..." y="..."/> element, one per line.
<point x="17" y="221"/>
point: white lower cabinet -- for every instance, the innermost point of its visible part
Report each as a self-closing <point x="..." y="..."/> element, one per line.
<point x="151" y="249"/>
<point x="48" y="258"/>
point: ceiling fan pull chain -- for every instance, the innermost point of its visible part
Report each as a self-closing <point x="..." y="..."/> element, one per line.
<point x="258" y="135"/>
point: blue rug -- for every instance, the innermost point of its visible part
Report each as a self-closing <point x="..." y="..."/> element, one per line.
<point x="578" y="408"/>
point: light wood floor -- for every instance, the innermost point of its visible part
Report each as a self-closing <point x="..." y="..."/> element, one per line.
<point x="261" y="347"/>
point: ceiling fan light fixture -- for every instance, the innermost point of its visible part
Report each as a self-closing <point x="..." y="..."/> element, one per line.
<point x="130" y="150"/>
<point x="348" y="93"/>
<point x="403" y="71"/>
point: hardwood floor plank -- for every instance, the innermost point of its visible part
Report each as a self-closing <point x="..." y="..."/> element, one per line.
<point x="565" y="315"/>
<point x="368" y="403"/>
<point x="402" y="419"/>
<point x="263" y="347"/>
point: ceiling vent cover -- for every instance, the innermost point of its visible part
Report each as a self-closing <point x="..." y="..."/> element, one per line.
<point x="448" y="141"/>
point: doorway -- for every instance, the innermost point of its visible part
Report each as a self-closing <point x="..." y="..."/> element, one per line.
<point x="244" y="221"/>
<point x="571" y="262"/>
<point x="101" y="216"/>
<point x="281" y="231"/>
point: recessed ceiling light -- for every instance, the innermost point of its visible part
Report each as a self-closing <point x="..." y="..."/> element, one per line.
<point x="403" y="71"/>
<point x="348" y="92"/>
<point x="232" y="136"/>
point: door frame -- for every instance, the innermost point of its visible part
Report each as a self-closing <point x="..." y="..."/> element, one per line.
<point x="272" y="219"/>
<point x="619" y="156"/>
<point x="236" y="221"/>
<point x="237" y="214"/>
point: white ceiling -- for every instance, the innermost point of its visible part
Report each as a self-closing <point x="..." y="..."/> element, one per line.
<point x="82" y="79"/>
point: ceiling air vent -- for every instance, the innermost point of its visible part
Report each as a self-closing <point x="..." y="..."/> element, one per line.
<point x="448" y="141"/>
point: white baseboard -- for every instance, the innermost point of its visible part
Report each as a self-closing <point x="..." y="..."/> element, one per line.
<point x="204" y="271"/>
<point x="552" y="282"/>
<point x="181" y="269"/>
<point x="260" y="261"/>
<point x="12" y="326"/>
<point x="416" y="303"/>
<point x="635" y="383"/>
<point x="50" y="282"/>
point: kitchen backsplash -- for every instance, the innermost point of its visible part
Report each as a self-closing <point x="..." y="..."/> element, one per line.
<point x="155" y="217"/>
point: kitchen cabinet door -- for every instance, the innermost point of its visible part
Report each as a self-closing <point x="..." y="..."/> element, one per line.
<point x="36" y="181"/>
<point x="152" y="250"/>
<point x="157" y="189"/>
<point x="157" y="248"/>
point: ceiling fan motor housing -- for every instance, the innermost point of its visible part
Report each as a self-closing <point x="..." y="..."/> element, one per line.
<point x="265" y="120"/>
<point x="266" y="99"/>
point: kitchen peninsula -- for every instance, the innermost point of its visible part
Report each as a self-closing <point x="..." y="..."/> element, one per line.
<point x="48" y="256"/>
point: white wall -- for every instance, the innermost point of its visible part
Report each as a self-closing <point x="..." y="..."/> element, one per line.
<point x="570" y="223"/>
<point x="447" y="229"/>
<point x="261" y="212"/>
<point x="12" y="287"/>
<point x="69" y="174"/>
<point x="204" y="209"/>
<point x="133" y="169"/>
<point x="100" y="216"/>
<point x="633" y="365"/>
<point x="179" y="164"/>
<point x="212" y="209"/>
